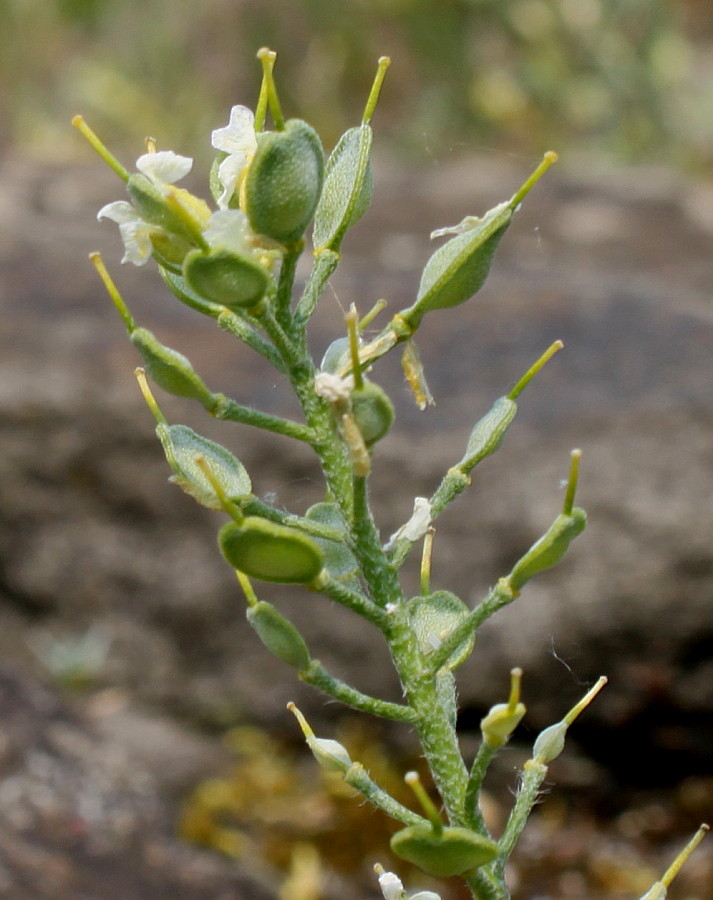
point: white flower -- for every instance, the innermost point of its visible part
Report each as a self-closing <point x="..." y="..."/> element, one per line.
<point x="164" y="167"/>
<point x="229" y="228"/>
<point x="393" y="889"/>
<point x="239" y="141"/>
<point x="135" y="232"/>
<point x="417" y="525"/>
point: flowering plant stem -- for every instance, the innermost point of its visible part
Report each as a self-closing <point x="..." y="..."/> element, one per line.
<point x="238" y="266"/>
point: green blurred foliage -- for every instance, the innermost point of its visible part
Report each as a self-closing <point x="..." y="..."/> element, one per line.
<point x="628" y="77"/>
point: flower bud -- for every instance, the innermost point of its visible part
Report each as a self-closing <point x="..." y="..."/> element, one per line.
<point x="550" y="548"/>
<point x="284" y="181"/>
<point x="224" y="277"/>
<point x="500" y="723"/>
<point x="330" y="754"/>
<point x="279" y="635"/>
<point x="270" y="552"/>
<point x="170" y="369"/>
<point x="373" y="411"/>
<point x="455" y="851"/>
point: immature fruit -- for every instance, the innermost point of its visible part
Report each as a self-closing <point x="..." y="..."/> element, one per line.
<point x="284" y="181"/>
<point x="270" y="552"/>
<point x="169" y="368"/>
<point x="373" y="412"/>
<point x="455" y="851"/>
<point x="279" y="635"/>
<point x="224" y="277"/>
<point x="433" y="618"/>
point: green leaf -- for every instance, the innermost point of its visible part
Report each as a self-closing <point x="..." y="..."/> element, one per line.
<point x="348" y="185"/>
<point x="182" y="446"/>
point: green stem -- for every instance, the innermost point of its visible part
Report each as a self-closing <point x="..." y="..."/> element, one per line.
<point x="358" y="778"/>
<point x="485" y="886"/>
<point x="378" y="572"/>
<point x="319" y="677"/>
<point x="533" y="775"/>
<point x="358" y="603"/>
<point x="482" y="760"/>
<point x="229" y="410"/>
<point x="240" y="329"/>
<point x="285" y="285"/>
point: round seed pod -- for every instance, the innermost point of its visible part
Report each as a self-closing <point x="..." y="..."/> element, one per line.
<point x="224" y="277"/>
<point x="279" y="635"/>
<point x="455" y="851"/>
<point x="270" y="552"/>
<point x="433" y="618"/>
<point x="373" y="412"/>
<point x="284" y="181"/>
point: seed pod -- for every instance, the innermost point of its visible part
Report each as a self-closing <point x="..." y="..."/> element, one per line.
<point x="284" y="181"/>
<point x="550" y="548"/>
<point x="373" y="411"/>
<point x="335" y="355"/>
<point x="169" y="368"/>
<point x="224" y="277"/>
<point x="455" y="851"/>
<point x="279" y="635"/>
<point x="433" y="618"/>
<point x="348" y="186"/>
<point x="549" y="743"/>
<point x="500" y="722"/>
<point x="270" y="552"/>
<point x="458" y="269"/>
<point x="183" y="447"/>
<point x="338" y="558"/>
<point x="488" y="433"/>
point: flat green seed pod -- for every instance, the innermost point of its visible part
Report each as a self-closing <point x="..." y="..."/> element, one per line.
<point x="182" y="446"/>
<point x="284" y="181"/>
<point x="433" y="618"/>
<point x="348" y="186"/>
<point x="270" y="552"/>
<point x="176" y="284"/>
<point x="338" y="558"/>
<point x="458" y="269"/>
<point x="335" y="355"/>
<point x="373" y="412"/>
<point x="488" y="433"/>
<point x="224" y="277"/>
<point x="456" y="851"/>
<point x="279" y="635"/>
<point x="170" y="369"/>
<point x="551" y="547"/>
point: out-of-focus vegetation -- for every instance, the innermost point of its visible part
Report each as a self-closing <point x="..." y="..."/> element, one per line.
<point x="629" y="77"/>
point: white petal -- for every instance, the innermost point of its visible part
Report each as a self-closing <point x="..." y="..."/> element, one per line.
<point x="119" y="211"/>
<point x="229" y="228"/>
<point x="238" y="136"/>
<point x="164" y="167"/>
<point x="333" y="388"/>
<point x="424" y="895"/>
<point x="137" y="242"/>
<point x="391" y="886"/>
<point x="228" y="173"/>
<point x="417" y="525"/>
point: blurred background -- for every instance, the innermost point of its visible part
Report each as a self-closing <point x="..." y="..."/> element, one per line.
<point x="630" y="78"/>
<point x="134" y="702"/>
